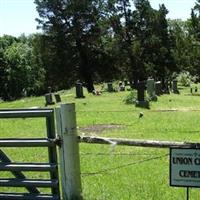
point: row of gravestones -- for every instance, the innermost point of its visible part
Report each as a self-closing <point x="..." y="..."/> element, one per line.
<point x="49" y="98"/>
<point x="79" y="88"/>
<point x="154" y="89"/>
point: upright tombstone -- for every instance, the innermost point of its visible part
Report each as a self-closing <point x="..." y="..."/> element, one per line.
<point x="57" y="98"/>
<point x="126" y="83"/>
<point x="151" y="90"/>
<point x="49" y="99"/>
<point x="166" y="89"/>
<point x="141" y="101"/>
<point x="158" y="88"/>
<point x="175" y="87"/>
<point x="121" y="86"/>
<point x="110" y="87"/>
<point x="79" y="90"/>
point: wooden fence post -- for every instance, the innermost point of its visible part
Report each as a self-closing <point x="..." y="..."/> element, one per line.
<point x="69" y="152"/>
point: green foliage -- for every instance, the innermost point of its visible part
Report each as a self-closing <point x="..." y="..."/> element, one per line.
<point x="185" y="79"/>
<point x="130" y="98"/>
<point x="21" y="74"/>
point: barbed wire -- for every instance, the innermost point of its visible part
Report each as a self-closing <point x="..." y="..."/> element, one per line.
<point x="134" y="111"/>
<point x="106" y="171"/>
<point x="115" y="154"/>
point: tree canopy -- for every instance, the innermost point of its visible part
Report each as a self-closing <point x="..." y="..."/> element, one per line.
<point x="95" y="41"/>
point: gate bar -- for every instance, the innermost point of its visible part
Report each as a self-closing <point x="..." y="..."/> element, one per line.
<point x="20" y="175"/>
<point x="31" y="142"/>
<point x="24" y="113"/>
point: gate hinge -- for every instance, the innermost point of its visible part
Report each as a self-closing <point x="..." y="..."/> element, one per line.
<point x="58" y="141"/>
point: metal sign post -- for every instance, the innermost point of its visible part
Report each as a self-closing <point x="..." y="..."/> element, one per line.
<point x="188" y="193"/>
<point x="185" y="168"/>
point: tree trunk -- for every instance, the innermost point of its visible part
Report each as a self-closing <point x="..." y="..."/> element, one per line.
<point x="85" y="68"/>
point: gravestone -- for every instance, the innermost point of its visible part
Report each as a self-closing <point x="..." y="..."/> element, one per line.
<point x="79" y="90"/>
<point x="121" y="86"/>
<point x="110" y="87"/>
<point x="49" y="99"/>
<point x="166" y="89"/>
<point x="158" y="88"/>
<point x="126" y="83"/>
<point x="151" y="89"/>
<point x="141" y="101"/>
<point x="58" y="98"/>
<point x="195" y="89"/>
<point x="175" y="87"/>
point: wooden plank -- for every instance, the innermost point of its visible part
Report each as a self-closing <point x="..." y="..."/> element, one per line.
<point x="30" y="142"/>
<point x="69" y="152"/>
<point x="27" y="167"/>
<point x="28" y="182"/>
<point x="140" y="143"/>
<point x="17" y="196"/>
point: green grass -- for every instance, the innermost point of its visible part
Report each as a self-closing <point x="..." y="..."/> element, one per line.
<point x="118" y="172"/>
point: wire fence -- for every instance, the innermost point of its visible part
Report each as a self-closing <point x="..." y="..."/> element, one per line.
<point x="134" y="111"/>
<point x="108" y="170"/>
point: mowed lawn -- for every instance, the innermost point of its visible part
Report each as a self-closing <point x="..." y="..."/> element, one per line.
<point x="111" y="172"/>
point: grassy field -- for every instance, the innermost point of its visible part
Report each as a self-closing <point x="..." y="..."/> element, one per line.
<point x="117" y="172"/>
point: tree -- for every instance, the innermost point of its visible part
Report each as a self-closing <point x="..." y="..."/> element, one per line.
<point x="22" y="75"/>
<point x="5" y="42"/>
<point x="195" y="20"/>
<point x="121" y="22"/>
<point x="76" y="25"/>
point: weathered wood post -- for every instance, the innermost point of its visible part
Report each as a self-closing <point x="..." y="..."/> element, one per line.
<point x="69" y="152"/>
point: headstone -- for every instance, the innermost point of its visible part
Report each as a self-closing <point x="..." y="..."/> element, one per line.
<point x="141" y="101"/>
<point x="175" y="87"/>
<point x="110" y="87"/>
<point x="151" y="89"/>
<point x="126" y="83"/>
<point x="49" y="99"/>
<point x="158" y="88"/>
<point x="58" y="98"/>
<point x="121" y="86"/>
<point x="79" y="90"/>
<point x="166" y="89"/>
<point x="191" y="90"/>
<point x="170" y="85"/>
<point x="24" y="92"/>
<point x="196" y="89"/>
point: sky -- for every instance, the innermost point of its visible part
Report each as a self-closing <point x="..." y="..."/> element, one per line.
<point x="18" y="16"/>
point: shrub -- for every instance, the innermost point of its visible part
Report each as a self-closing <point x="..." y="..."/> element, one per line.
<point x="130" y="98"/>
<point x="184" y="78"/>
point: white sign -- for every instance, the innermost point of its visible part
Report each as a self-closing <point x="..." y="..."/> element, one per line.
<point x="185" y="167"/>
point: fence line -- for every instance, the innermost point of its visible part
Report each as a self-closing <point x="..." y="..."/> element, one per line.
<point x="115" y="154"/>
<point x="134" y="111"/>
<point x="139" y="143"/>
<point x="106" y="171"/>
